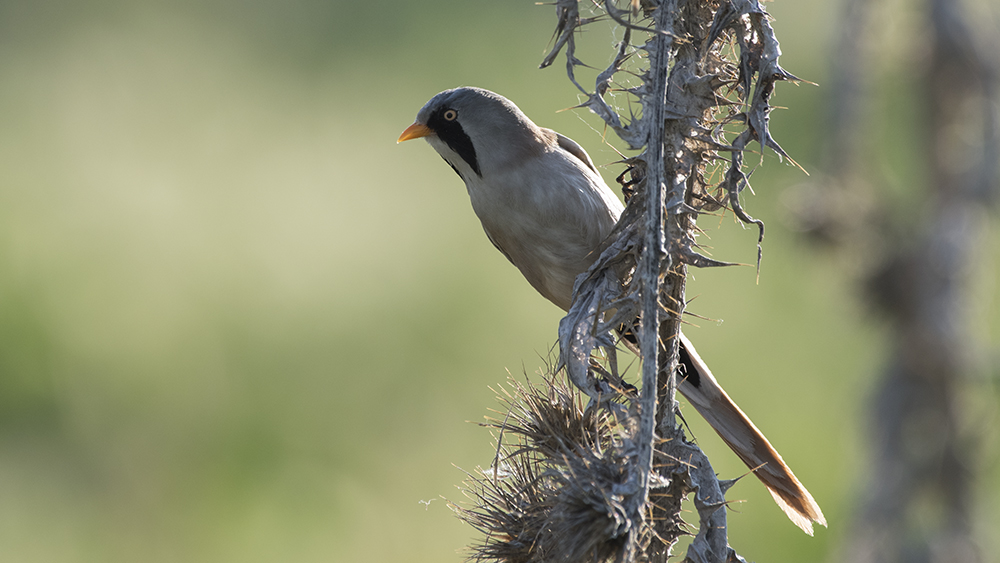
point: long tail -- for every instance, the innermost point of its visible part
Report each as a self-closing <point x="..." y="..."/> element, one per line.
<point x="736" y="429"/>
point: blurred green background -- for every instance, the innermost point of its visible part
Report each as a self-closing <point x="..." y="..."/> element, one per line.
<point x="239" y="323"/>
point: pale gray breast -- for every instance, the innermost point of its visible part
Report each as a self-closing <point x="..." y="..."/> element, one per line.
<point x="547" y="215"/>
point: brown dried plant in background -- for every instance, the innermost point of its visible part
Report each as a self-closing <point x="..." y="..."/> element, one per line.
<point x="915" y="253"/>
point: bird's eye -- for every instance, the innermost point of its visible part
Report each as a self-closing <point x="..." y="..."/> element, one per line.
<point x="450" y="115"/>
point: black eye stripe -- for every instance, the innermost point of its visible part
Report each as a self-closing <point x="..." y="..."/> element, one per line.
<point x="451" y="132"/>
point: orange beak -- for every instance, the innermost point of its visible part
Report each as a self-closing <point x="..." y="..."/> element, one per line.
<point x="415" y="131"/>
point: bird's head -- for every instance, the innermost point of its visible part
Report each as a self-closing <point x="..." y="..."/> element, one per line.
<point x="475" y="130"/>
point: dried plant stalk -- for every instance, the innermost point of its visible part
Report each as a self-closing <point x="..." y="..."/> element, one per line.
<point x="604" y="481"/>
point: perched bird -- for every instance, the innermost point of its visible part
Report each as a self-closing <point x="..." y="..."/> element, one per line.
<point x="543" y="204"/>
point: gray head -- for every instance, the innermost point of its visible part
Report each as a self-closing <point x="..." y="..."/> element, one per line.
<point x="475" y="129"/>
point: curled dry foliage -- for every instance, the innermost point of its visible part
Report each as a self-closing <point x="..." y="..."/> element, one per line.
<point x="723" y="60"/>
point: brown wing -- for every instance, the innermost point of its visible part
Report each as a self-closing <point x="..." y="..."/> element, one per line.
<point x="572" y="147"/>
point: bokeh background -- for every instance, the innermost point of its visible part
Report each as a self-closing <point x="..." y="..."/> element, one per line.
<point x="239" y="323"/>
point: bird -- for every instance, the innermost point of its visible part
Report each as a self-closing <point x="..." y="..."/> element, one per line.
<point x="545" y="207"/>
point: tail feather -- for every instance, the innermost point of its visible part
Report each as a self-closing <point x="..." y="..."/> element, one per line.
<point x="736" y="429"/>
